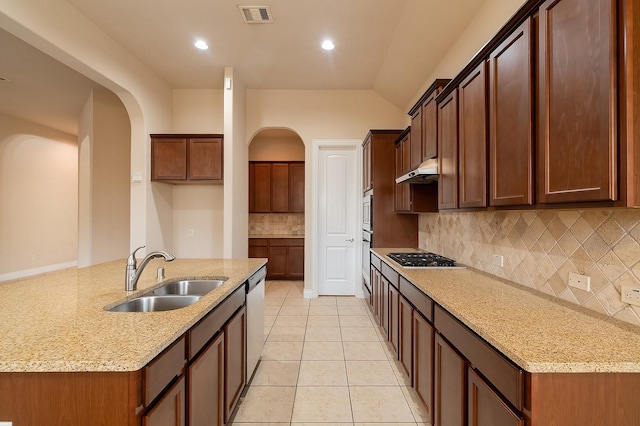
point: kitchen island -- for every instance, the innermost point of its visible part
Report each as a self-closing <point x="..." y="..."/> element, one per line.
<point x="498" y="350"/>
<point x="57" y="334"/>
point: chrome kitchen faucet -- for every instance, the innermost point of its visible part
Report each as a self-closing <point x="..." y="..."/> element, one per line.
<point x="133" y="272"/>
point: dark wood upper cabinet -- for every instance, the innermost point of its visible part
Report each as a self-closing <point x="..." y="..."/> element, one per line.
<point x="511" y="101"/>
<point x="448" y="152"/>
<point x="415" y="155"/>
<point x="424" y="125"/>
<point x="296" y="188"/>
<point x="279" y="188"/>
<point x="259" y="187"/>
<point x="472" y="142"/>
<point x="367" y="176"/>
<point x="169" y="158"/>
<point x="205" y="159"/>
<point x="402" y="158"/>
<point x="276" y="187"/>
<point x="187" y="159"/>
<point x="577" y="101"/>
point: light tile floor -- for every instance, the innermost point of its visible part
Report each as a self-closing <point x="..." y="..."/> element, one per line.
<point x="325" y="361"/>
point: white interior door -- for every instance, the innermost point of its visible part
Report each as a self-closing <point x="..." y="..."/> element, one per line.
<point x="337" y="214"/>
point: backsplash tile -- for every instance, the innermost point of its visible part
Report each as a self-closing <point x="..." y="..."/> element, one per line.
<point x="541" y="248"/>
<point x="276" y="224"/>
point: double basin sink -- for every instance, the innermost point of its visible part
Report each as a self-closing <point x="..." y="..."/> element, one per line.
<point x="172" y="295"/>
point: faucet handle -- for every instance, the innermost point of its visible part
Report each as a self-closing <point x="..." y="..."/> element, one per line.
<point x="131" y="261"/>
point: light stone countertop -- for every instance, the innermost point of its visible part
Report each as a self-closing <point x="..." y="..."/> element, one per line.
<point x="538" y="333"/>
<point x="57" y="321"/>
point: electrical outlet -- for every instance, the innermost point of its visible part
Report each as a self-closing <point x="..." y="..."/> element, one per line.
<point x="631" y="295"/>
<point x="190" y="233"/>
<point x="34" y="257"/>
<point x="497" y="260"/>
<point x="582" y="282"/>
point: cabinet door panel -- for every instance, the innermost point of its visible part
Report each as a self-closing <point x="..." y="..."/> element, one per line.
<point x="280" y="188"/>
<point x="405" y="350"/>
<point x="258" y="252"/>
<point x="577" y="100"/>
<point x="393" y="318"/>
<point x="448" y="152"/>
<point x="416" y="140"/>
<point x="511" y="120"/>
<point x="486" y="408"/>
<point x="450" y="384"/>
<point x="472" y="143"/>
<point x="206" y="386"/>
<point x="205" y="159"/>
<point x="295" y="262"/>
<point x="260" y="188"/>
<point x="234" y="361"/>
<point x="423" y="354"/>
<point x="296" y="188"/>
<point x="170" y="409"/>
<point x="384" y="305"/>
<point x="169" y="159"/>
<point x="277" y="266"/>
<point x="430" y="127"/>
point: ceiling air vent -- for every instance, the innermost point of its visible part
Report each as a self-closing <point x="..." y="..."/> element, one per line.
<point x="256" y="14"/>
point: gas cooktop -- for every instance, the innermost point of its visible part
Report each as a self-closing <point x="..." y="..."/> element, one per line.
<point x="423" y="259"/>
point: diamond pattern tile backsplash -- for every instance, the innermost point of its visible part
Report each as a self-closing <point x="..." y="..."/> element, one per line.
<point x="276" y="224"/>
<point x="541" y="248"/>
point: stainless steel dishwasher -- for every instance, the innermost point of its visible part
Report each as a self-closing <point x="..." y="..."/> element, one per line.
<point x="255" y="320"/>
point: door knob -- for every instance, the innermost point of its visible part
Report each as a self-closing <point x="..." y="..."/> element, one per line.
<point x="350" y="240"/>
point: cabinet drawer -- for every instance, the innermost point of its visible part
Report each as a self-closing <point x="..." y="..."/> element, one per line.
<point x="204" y="330"/>
<point x="390" y="274"/>
<point x="286" y="242"/>
<point x="376" y="262"/>
<point x="162" y="370"/>
<point x="258" y="242"/>
<point x="417" y="298"/>
<point x="507" y="378"/>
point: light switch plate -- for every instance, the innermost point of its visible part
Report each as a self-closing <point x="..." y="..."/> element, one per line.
<point x="582" y="282"/>
<point x="497" y="260"/>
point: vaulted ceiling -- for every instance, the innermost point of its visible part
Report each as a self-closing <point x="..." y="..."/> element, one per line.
<point x="389" y="46"/>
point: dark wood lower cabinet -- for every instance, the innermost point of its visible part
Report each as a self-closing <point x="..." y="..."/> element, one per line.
<point x="170" y="409"/>
<point x="206" y="386"/>
<point x="286" y="256"/>
<point x="405" y="349"/>
<point x="485" y="407"/>
<point x="423" y="354"/>
<point x="450" y="384"/>
<point x="234" y="361"/>
<point x="384" y="304"/>
<point x="394" y="300"/>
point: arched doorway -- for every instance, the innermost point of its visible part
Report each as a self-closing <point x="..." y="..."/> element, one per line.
<point x="277" y="202"/>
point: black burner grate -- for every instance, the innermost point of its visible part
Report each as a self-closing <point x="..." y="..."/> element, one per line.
<point x="423" y="260"/>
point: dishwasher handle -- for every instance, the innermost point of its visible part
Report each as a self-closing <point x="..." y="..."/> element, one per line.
<point x="255" y="279"/>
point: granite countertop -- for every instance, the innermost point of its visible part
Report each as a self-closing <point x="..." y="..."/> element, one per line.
<point x="538" y="333"/>
<point x="275" y="236"/>
<point x="57" y="321"/>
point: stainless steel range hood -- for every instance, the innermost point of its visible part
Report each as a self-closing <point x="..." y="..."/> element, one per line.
<point x="427" y="172"/>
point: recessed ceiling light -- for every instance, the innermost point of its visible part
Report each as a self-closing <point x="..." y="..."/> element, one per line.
<point x="328" y="45"/>
<point x="201" y="44"/>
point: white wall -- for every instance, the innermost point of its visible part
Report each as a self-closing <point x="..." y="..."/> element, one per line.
<point x="104" y="165"/>
<point x="198" y="207"/>
<point x="492" y="16"/>
<point x="38" y="197"/>
<point x="58" y="29"/>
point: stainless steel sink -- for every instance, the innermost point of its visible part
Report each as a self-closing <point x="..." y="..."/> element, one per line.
<point x="188" y="287"/>
<point x="155" y="303"/>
